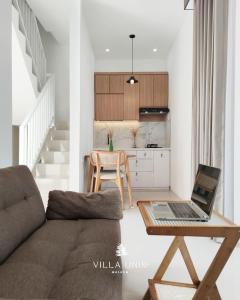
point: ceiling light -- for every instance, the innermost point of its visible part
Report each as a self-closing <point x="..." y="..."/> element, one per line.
<point x="155" y="50"/>
<point x="107" y="50"/>
<point x="132" y="79"/>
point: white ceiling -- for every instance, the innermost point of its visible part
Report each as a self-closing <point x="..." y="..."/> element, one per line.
<point x="54" y="16"/>
<point x="155" y="23"/>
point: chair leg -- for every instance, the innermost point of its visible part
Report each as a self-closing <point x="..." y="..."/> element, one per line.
<point x="92" y="185"/>
<point x="129" y="191"/>
<point x="119" y="183"/>
<point x="97" y="184"/>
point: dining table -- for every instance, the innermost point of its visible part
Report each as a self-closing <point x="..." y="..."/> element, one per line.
<point x="91" y="168"/>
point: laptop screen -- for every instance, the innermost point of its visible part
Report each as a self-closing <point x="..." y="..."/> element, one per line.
<point x="205" y="187"/>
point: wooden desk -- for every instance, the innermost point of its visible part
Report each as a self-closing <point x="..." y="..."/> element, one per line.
<point x="218" y="226"/>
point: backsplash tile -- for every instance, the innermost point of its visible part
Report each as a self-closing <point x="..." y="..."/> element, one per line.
<point x="148" y="133"/>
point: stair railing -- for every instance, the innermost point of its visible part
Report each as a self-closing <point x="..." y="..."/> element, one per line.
<point x="28" y="25"/>
<point x="34" y="130"/>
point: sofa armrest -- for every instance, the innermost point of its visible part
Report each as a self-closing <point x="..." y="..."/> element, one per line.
<point x="73" y="206"/>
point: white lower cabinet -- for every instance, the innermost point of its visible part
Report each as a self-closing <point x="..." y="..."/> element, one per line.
<point x="150" y="169"/>
<point x="162" y="169"/>
<point x="142" y="179"/>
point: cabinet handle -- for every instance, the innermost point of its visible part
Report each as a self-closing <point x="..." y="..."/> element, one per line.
<point x="161" y="155"/>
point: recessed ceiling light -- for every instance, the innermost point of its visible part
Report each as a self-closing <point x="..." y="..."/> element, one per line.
<point x="107" y="50"/>
<point x="155" y="50"/>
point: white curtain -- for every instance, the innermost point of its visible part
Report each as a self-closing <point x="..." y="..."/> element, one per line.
<point x="232" y="124"/>
<point x="209" y="86"/>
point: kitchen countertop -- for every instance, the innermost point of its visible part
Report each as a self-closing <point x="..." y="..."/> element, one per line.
<point x="136" y="149"/>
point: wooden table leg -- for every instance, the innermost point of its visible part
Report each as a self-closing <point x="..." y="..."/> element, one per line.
<point x="165" y="263"/>
<point x="128" y="177"/>
<point x="206" y="289"/>
<point x="90" y="174"/>
<point x="208" y="284"/>
<point x="188" y="262"/>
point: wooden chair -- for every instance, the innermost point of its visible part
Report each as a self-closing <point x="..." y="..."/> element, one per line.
<point x="111" y="166"/>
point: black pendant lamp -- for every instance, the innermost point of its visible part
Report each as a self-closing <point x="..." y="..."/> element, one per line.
<point x="132" y="79"/>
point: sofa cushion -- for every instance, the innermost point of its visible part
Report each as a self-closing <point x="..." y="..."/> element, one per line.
<point x="73" y="206"/>
<point x="57" y="262"/>
<point x="21" y="208"/>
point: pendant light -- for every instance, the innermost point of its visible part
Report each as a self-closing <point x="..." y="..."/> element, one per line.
<point x="132" y="79"/>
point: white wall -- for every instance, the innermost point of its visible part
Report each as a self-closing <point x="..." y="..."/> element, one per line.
<point x="23" y="95"/>
<point x="5" y="84"/>
<point x="74" y="40"/>
<point x="148" y="65"/>
<point x="82" y="66"/>
<point x="58" y="63"/>
<point x="179" y="66"/>
<point x="87" y="66"/>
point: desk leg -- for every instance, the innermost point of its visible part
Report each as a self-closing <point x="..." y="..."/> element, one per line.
<point x="206" y="289"/>
<point x="165" y="263"/>
<point x="207" y="286"/>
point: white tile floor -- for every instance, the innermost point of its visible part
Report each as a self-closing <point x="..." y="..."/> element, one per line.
<point x="149" y="250"/>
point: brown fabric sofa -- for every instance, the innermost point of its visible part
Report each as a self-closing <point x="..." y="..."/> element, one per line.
<point x="57" y="259"/>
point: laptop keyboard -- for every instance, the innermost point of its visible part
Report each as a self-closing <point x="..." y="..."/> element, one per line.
<point x="182" y="210"/>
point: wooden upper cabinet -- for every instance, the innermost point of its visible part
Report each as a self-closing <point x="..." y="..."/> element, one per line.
<point x="109" y="107"/>
<point x="146" y="90"/>
<point x="131" y="99"/>
<point x="102" y="84"/>
<point x="160" y="90"/>
<point x="116" y="84"/>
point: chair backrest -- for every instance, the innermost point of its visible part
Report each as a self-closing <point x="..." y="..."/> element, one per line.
<point x="106" y="159"/>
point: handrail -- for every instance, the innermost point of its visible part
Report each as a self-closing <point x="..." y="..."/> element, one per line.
<point x="35" y="128"/>
<point x="28" y="25"/>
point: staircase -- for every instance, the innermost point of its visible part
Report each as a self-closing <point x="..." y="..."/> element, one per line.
<point x="42" y="147"/>
<point x="52" y="171"/>
<point x="27" y="31"/>
<point x="18" y="33"/>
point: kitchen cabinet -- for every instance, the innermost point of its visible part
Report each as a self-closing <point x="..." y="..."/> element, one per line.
<point x="131" y="99"/>
<point x="109" y="107"/>
<point x="102" y="85"/>
<point x="160" y="90"/>
<point x="116" y="84"/>
<point x="150" y="91"/>
<point x="150" y="168"/>
<point x="162" y="169"/>
<point x="146" y="90"/>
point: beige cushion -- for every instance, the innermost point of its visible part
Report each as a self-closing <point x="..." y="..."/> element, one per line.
<point x="109" y="175"/>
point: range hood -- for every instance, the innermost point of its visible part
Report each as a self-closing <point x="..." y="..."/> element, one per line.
<point x="153" y="110"/>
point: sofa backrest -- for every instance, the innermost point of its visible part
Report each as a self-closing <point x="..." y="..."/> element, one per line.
<point x="21" y="208"/>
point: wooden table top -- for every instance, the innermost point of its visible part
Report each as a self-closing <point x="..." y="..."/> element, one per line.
<point x="128" y="155"/>
<point x="217" y="226"/>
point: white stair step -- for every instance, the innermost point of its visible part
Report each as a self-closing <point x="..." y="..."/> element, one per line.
<point x="45" y="185"/>
<point x="52" y="170"/>
<point x="59" y="145"/>
<point x="55" y="157"/>
<point x="60" y="135"/>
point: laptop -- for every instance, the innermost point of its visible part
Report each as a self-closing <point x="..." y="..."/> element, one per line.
<point x="201" y="205"/>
